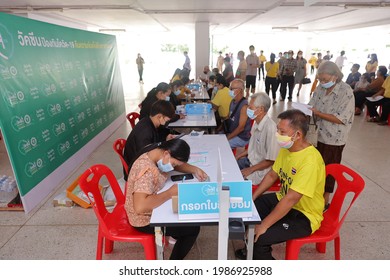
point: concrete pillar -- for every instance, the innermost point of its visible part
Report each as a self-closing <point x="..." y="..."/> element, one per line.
<point x="202" y="46"/>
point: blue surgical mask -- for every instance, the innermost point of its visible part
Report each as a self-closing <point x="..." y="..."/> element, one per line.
<point x="231" y="93"/>
<point x="167" y="98"/>
<point x="251" y="114"/>
<point x="177" y="92"/>
<point x="164" y="167"/>
<point x="328" y="84"/>
<point x="215" y="89"/>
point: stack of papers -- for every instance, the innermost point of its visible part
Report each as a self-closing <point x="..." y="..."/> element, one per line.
<point x="373" y="99"/>
<point x="303" y="107"/>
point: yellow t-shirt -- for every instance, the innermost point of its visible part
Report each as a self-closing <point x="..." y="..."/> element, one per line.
<point x="262" y="59"/>
<point x="272" y="69"/>
<point x="222" y="99"/>
<point x="386" y="86"/>
<point x="303" y="172"/>
<point x="371" y="67"/>
<point x="313" y="60"/>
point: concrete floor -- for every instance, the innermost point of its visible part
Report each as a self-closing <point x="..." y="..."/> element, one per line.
<point x="62" y="233"/>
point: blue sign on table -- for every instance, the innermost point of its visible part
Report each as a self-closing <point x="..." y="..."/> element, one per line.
<point x="200" y="200"/>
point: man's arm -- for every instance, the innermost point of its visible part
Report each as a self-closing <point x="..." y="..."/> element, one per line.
<point x="241" y="124"/>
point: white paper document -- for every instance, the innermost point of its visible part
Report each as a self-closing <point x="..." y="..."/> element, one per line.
<point x="305" y="108"/>
<point x="373" y="99"/>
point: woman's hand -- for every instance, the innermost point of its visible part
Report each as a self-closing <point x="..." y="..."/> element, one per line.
<point x="182" y="116"/>
<point x="315" y="111"/>
<point x="173" y="190"/>
<point x="200" y="174"/>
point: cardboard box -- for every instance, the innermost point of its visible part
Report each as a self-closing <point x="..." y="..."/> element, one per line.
<point x="62" y="200"/>
<point x="75" y="193"/>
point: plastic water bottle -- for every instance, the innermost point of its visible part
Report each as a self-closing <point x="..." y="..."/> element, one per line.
<point x="205" y="114"/>
<point x="3" y="178"/>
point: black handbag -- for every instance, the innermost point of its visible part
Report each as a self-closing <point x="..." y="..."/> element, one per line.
<point x="306" y="81"/>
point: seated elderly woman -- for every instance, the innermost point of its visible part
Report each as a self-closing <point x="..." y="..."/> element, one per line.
<point x="373" y="87"/>
<point x="147" y="177"/>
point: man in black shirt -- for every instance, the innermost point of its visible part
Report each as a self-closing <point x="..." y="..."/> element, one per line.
<point x="148" y="131"/>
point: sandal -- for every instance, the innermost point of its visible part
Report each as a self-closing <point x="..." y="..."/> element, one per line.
<point x="241" y="253"/>
<point x="373" y="119"/>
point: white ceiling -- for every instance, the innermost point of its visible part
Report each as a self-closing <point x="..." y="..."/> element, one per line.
<point x="224" y="16"/>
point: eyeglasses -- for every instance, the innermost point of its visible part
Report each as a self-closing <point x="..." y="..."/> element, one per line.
<point x="233" y="88"/>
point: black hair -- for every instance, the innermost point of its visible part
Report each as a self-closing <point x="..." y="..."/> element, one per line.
<point x="164" y="87"/>
<point x="356" y="65"/>
<point x="162" y="107"/>
<point x="178" y="148"/>
<point x="177" y="72"/>
<point x="185" y="80"/>
<point x="383" y="70"/>
<point x="176" y="84"/>
<point x="221" y="80"/>
<point x="152" y="94"/>
<point x="212" y="78"/>
<point x="373" y="57"/>
<point x="297" y="118"/>
<point x="272" y="56"/>
<point x="367" y="76"/>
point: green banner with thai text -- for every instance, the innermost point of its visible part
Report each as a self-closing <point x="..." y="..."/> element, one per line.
<point x="59" y="88"/>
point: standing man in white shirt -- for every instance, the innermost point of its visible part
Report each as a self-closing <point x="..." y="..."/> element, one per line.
<point x="187" y="64"/>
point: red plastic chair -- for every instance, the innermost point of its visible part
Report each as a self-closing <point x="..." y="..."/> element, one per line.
<point x="347" y="181"/>
<point x="274" y="188"/>
<point x="119" y="146"/>
<point x="132" y="117"/>
<point x="113" y="226"/>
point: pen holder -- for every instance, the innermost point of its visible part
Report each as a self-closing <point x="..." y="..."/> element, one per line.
<point x="236" y="229"/>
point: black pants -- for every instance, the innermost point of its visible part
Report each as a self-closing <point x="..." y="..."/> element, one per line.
<point x="140" y="72"/>
<point x="185" y="239"/>
<point x="293" y="225"/>
<point x="271" y="82"/>
<point x="372" y="107"/>
<point x="312" y="69"/>
<point x="261" y="68"/>
<point x="360" y="98"/>
<point x="330" y="154"/>
<point x="287" y="80"/>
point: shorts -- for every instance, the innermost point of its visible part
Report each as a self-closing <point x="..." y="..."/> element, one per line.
<point x="250" y="81"/>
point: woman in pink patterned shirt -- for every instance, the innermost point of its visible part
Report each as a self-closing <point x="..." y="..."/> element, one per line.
<point x="147" y="177"/>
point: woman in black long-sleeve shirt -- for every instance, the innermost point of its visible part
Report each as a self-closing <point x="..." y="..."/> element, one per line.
<point x="147" y="131"/>
<point x="160" y="92"/>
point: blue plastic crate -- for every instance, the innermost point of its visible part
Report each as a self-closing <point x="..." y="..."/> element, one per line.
<point x="194" y="87"/>
<point x="198" y="108"/>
